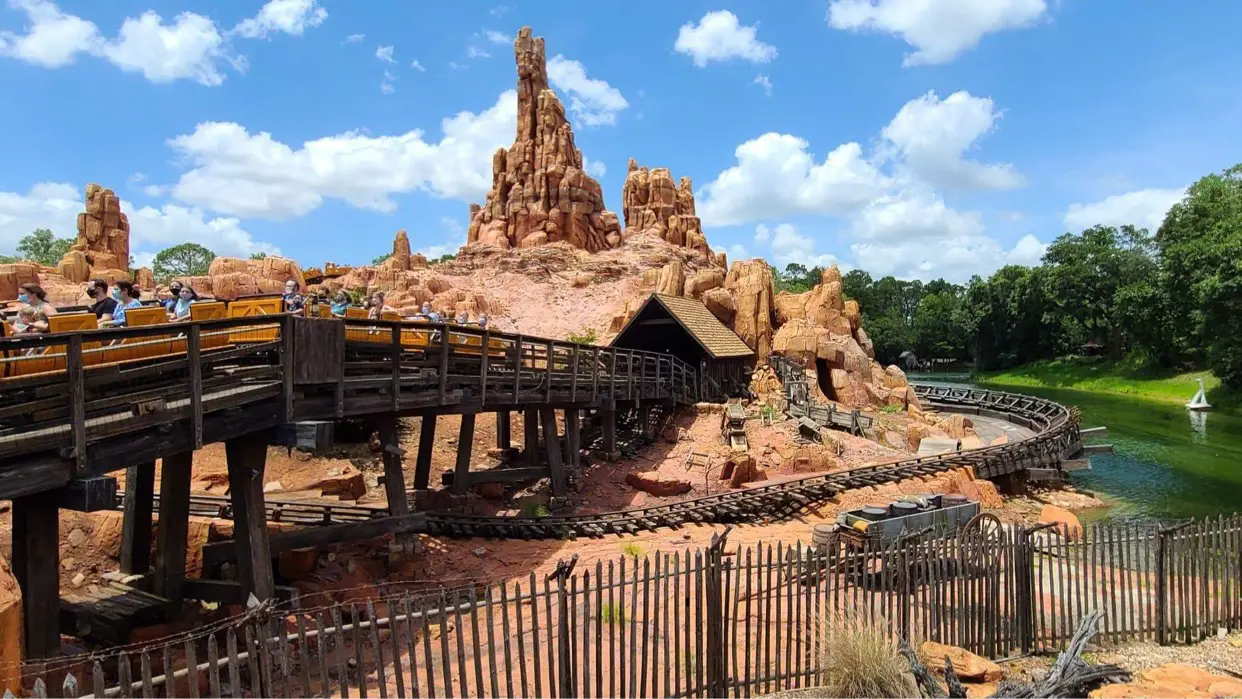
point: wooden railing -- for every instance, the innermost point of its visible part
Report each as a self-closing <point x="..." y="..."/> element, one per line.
<point x="713" y="622"/>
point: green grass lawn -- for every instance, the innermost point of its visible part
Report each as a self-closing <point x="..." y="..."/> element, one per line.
<point x="1109" y="377"/>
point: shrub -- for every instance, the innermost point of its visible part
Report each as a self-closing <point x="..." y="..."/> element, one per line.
<point x="858" y="660"/>
<point x="633" y="550"/>
<point x="612" y="614"/>
<point x="890" y="409"/>
<point x="535" y="509"/>
<point x="587" y="336"/>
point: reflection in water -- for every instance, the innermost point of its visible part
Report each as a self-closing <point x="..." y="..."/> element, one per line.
<point x="1166" y="465"/>
<point x="1198" y="425"/>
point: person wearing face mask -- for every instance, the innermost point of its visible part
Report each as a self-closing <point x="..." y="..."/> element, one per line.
<point x="34" y="296"/>
<point x="104" y="304"/>
<point x="126" y="299"/>
<point x="180" y="310"/>
<point x="174" y="291"/>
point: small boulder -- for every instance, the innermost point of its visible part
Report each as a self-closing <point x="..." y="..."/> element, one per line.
<point x="348" y="484"/>
<point x="655" y="483"/>
<point x="1067" y="524"/>
<point x="297" y="564"/>
<point x="968" y="666"/>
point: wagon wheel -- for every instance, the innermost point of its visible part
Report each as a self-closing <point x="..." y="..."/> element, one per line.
<point x="978" y="538"/>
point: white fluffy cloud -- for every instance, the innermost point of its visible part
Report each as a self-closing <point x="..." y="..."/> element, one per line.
<point x="594" y="168"/>
<point x="288" y="16"/>
<point x="355" y="38"/>
<point x="55" y="205"/>
<point x="498" y="37"/>
<point x="765" y="82"/>
<point x="384" y="53"/>
<point x="776" y="176"/>
<point x="955" y="258"/>
<point x="790" y="246"/>
<point x="939" y="30"/>
<point x="1144" y="208"/>
<point x="719" y="36"/>
<point x="913" y="214"/>
<point x="190" y="47"/>
<point x="593" y="102"/>
<point x="932" y="136"/>
<point x="239" y="173"/>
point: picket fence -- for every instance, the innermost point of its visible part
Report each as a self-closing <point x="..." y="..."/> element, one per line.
<point x="719" y="621"/>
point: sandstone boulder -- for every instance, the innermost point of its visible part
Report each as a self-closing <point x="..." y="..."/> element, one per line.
<point x="14" y="274"/>
<point x="720" y="303"/>
<point x="750" y="283"/>
<point x="1067" y="524"/>
<point x="102" y="242"/>
<point x="655" y="483"/>
<point x="968" y="666"/>
<point x="540" y="193"/>
<point x="345" y="483"/>
<point x="10" y="630"/>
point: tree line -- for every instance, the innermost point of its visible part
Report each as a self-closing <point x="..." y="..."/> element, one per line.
<point x="1170" y="299"/>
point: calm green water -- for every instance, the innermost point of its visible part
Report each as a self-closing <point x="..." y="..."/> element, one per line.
<point x="1169" y="463"/>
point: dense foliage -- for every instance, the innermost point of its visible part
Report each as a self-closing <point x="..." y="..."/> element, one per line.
<point x="41" y="246"/>
<point x="1171" y="300"/>
<point x="184" y="260"/>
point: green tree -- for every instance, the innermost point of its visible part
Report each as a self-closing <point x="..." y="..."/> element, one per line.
<point x="380" y="260"/>
<point x="43" y="246"/>
<point x="258" y="256"/>
<point x="184" y="260"/>
<point x="938" y="325"/>
<point x="1200" y="243"/>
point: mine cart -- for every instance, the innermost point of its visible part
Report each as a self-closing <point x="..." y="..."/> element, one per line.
<point x="875" y="524"/>
<point x="733" y="427"/>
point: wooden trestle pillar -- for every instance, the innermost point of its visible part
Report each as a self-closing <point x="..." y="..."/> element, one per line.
<point x="426" y="440"/>
<point x="573" y="438"/>
<point x="170" y="545"/>
<point x="644" y="420"/>
<point x="465" y="449"/>
<point x="136" y="521"/>
<point x="530" y="431"/>
<point x="556" y="467"/>
<point x="247" y="459"/>
<point x="504" y="430"/>
<point x="608" y="417"/>
<point x="36" y="564"/>
<point x="394" y="472"/>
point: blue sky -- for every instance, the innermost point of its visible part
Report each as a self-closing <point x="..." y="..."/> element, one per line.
<point x="922" y="138"/>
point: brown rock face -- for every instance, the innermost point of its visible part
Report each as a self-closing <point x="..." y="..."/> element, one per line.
<point x="966" y="665"/>
<point x="823" y="332"/>
<point x="540" y="193"/>
<point x="230" y="277"/>
<point x="750" y="284"/>
<point x="656" y="484"/>
<point x="102" y="247"/>
<point x="10" y="630"/>
<point x="652" y="204"/>
<point x="13" y="275"/>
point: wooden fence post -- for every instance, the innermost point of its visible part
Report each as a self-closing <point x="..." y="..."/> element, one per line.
<point x="1026" y="586"/>
<point x="714" y="616"/>
<point x="564" y="657"/>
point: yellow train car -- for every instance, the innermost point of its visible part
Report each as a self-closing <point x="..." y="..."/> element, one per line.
<point x="245" y="308"/>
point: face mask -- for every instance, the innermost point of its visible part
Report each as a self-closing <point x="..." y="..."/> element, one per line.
<point x="116" y="294"/>
<point x="23" y="298"/>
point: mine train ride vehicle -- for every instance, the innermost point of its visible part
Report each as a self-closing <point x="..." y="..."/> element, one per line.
<point x="16" y="364"/>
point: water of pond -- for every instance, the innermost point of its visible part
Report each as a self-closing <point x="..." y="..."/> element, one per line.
<point x="1169" y="463"/>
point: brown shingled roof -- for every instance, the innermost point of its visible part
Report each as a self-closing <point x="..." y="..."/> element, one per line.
<point x="715" y="337"/>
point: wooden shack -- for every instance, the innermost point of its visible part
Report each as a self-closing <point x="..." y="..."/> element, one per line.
<point x="686" y="329"/>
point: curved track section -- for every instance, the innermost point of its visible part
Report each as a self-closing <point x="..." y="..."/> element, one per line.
<point x="1057" y="432"/>
<point x="1056" y="436"/>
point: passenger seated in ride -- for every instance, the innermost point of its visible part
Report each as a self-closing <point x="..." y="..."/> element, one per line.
<point x="104" y="304"/>
<point x="126" y="298"/>
<point x="170" y="303"/>
<point x="463" y="318"/>
<point x="180" y="310"/>
<point x="378" y="307"/>
<point x="34" y="296"/>
<point x="340" y="303"/>
<point x="294" y="302"/>
<point x="28" y="322"/>
<point x="482" y="321"/>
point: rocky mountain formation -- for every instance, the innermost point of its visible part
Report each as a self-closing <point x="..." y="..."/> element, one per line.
<point x="652" y="204"/>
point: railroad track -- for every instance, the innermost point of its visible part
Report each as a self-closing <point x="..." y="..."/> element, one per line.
<point x="1056" y="428"/>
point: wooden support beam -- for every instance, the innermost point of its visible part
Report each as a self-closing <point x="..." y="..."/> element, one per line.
<point x="36" y="563"/>
<point x="310" y="537"/>
<point x="560" y="484"/>
<point x="1093" y="432"/>
<point x="530" y="430"/>
<point x="608" y="417"/>
<point x="247" y="459"/>
<point x="170" y="545"/>
<point x="644" y="419"/>
<point x="394" y="472"/>
<point x="1093" y="449"/>
<point x="497" y="475"/>
<point x="504" y="430"/>
<point x="309" y="435"/>
<point x="136" y="522"/>
<point x="93" y="494"/>
<point x="573" y="436"/>
<point x="426" y="440"/>
<point x="465" y="449"/>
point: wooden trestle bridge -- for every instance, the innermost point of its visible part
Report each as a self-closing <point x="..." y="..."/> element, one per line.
<point x="77" y="406"/>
